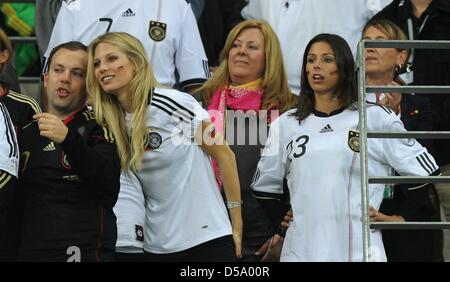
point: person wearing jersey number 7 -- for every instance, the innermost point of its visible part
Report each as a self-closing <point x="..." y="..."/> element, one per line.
<point x="167" y="30"/>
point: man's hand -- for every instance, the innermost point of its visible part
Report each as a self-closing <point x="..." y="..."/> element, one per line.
<point x="287" y="219"/>
<point x="51" y="127"/>
<point x="271" y="249"/>
<point x="376" y="216"/>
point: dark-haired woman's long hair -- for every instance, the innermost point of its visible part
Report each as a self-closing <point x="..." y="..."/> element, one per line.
<point x="346" y="90"/>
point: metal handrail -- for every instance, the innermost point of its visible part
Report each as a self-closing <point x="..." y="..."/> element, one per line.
<point x="20" y="1"/>
<point x="408" y="179"/>
<point x="410" y="225"/>
<point x="29" y="79"/>
<point x="363" y="134"/>
<point x="434" y="89"/>
<point x="410" y="134"/>
<point x="417" y="44"/>
<point x="23" y="39"/>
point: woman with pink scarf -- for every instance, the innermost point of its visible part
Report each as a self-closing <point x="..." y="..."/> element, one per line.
<point x="247" y="91"/>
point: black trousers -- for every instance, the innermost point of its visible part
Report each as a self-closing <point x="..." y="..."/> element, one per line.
<point x="413" y="245"/>
<point x="217" y="250"/>
<point x="129" y="257"/>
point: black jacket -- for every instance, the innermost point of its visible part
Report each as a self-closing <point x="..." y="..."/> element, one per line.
<point x="419" y="204"/>
<point x="247" y="145"/>
<point x="430" y="65"/>
<point x="21" y="108"/>
<point x="68" y="192"/>
<point x="246" y="137"/>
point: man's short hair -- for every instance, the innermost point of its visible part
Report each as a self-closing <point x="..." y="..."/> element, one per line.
<point x="71" y="45"/>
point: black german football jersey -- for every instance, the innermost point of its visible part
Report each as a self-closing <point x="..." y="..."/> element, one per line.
<point x="69" y="191"/>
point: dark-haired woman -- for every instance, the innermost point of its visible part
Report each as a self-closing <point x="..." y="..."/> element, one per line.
<point x="316" y="148"/>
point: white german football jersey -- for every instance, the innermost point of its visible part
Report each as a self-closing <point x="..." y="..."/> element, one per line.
<point x="167" y="29"/>
<point x="320" y="160"/>
<point x="184" y="207"/>
<point x="130" y="213"/>
<point x="9" y="150"/>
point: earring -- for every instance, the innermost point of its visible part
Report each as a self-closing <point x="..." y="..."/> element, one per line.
<point x="398" y="68"/>
<point x="408" y="67"/>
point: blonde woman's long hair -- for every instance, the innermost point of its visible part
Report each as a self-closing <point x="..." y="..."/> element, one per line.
<point x="277" y="94"/>
<point x="107" y="108"/>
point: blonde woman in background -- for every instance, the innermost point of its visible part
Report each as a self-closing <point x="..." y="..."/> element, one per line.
<point x="409" y="202"/>
<point x="249" y="85"/>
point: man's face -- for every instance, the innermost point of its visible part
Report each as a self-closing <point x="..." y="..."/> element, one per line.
<point x="65" y="82"/>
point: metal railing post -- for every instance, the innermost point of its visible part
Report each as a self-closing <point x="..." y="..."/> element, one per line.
<point x="364" y="134"/>
<point x="363" y="151"/>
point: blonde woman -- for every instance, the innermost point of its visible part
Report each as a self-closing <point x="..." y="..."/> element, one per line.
<point x="161" y="134"/>
<point x="250" y="83"/>
<point x="409" y="202"/>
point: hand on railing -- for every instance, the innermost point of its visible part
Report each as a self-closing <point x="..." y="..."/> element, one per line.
<point x="376" y="216"/>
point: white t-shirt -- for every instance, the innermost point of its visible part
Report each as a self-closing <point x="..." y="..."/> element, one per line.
<point x="167" y="29"/>
<point x="9" y="150"/>
<point x="184" y="207"/>
<point x="296" y="22"/>
<point x="320" y="161"/>
<point x="130" y="213"/>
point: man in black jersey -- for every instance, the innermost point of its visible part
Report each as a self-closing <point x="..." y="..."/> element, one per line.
<point x="69" y="172"/>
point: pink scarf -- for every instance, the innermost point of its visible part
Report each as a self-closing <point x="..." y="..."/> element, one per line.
<point x="244" y="97"/>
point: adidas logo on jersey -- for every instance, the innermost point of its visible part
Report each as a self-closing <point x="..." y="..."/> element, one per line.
<point x="326" y="129"/>
<point x="49" y="147"/>
<point x="128" y="13"/>
<point x="73" y="5"/>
